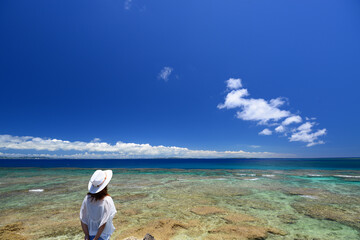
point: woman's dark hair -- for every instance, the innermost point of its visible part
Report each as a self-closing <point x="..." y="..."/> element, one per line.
<point x="98" y="196"/>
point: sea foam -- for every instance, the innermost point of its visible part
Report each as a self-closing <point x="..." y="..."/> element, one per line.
<point x="246" y="174"/>
<point x="252" y="179"/>
<point x="347" y="176"/>
<point x="308" y="196"/>
<point x="36" y="190"/>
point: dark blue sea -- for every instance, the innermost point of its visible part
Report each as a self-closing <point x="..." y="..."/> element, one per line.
<point x="314" y="163"/>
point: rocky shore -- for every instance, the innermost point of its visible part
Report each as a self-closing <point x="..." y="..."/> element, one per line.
<point x="147" y="237"/>
<point x="192" y="204"/>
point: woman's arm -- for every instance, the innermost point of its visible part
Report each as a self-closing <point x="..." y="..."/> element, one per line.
<point x="100" y="230"/>
<point x="85" y="230"/>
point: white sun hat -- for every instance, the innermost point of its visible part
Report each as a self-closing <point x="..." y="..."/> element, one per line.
<point x="99" y="180"/>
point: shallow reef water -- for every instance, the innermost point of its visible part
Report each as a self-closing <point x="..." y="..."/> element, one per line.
<point x="44" y="203"/>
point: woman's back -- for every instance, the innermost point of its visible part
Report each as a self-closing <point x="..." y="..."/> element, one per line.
<point x="95" y="213"/>
<point x="98" y="209"/>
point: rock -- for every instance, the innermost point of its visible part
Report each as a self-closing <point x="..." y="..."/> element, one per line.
<point x="226" y="192"/>
<point x="288" y="218"/>
<point x="349" y="217"/>
<point x="11" y="231"/>
<point x="152" y="205"/>
<point x="14" y="227"/>
<point x="325" y="196"/>
<point x="276" y="231"/>
<point x="162" y="229"/>
<point x="131" y="212"/>
<point x="256" y="204"/>
<point x="304" y="191"/>
<point x="130" y="197"/>
<point x="131" y="238"/>
<point x="243" y="231"/>
<point x="238" y="217"/>
<point x="207" y="210"/>
<point x="305" y="237"/>
<point x="148" y="237"/>
<point x="61" y="230"/>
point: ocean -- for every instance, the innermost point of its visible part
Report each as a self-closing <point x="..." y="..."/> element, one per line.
<point x="258" y="163"/>
<point x="184" y="199"/>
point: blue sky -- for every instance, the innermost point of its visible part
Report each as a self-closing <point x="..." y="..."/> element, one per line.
<point x="153" y="75"/>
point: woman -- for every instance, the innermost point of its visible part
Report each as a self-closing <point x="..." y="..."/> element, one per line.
<point x="98" y="209"/>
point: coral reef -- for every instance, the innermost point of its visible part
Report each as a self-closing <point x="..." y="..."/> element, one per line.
<point x="350" y="217"/>
<point x="207" y="210"/>
<point x="12" y="231"/>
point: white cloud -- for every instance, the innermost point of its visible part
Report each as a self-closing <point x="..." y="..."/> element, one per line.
<point x="234" y="99"/>
<point x="267" y="113"/>
<point x="292" y="119"/>
<point x="97" y="149"/>
<point x="252" y="109"/>
<point x="277" y="102"/>
<point x="254" y="146"/>
<point x="234" y="83"/>
<point x="266" y="132"/>
<point x="280" y="129"/>
<point x="262" y="111"/>
<point x="306" y="127"/>
<point x="165" y="73"/>
<point x="304" y="133"/>
<point x="127" y="4"/>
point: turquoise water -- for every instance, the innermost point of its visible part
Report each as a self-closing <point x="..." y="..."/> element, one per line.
<point x="186" y="203"/>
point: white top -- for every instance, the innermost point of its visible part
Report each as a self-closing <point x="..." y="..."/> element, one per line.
<point x="95" y="213"/>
